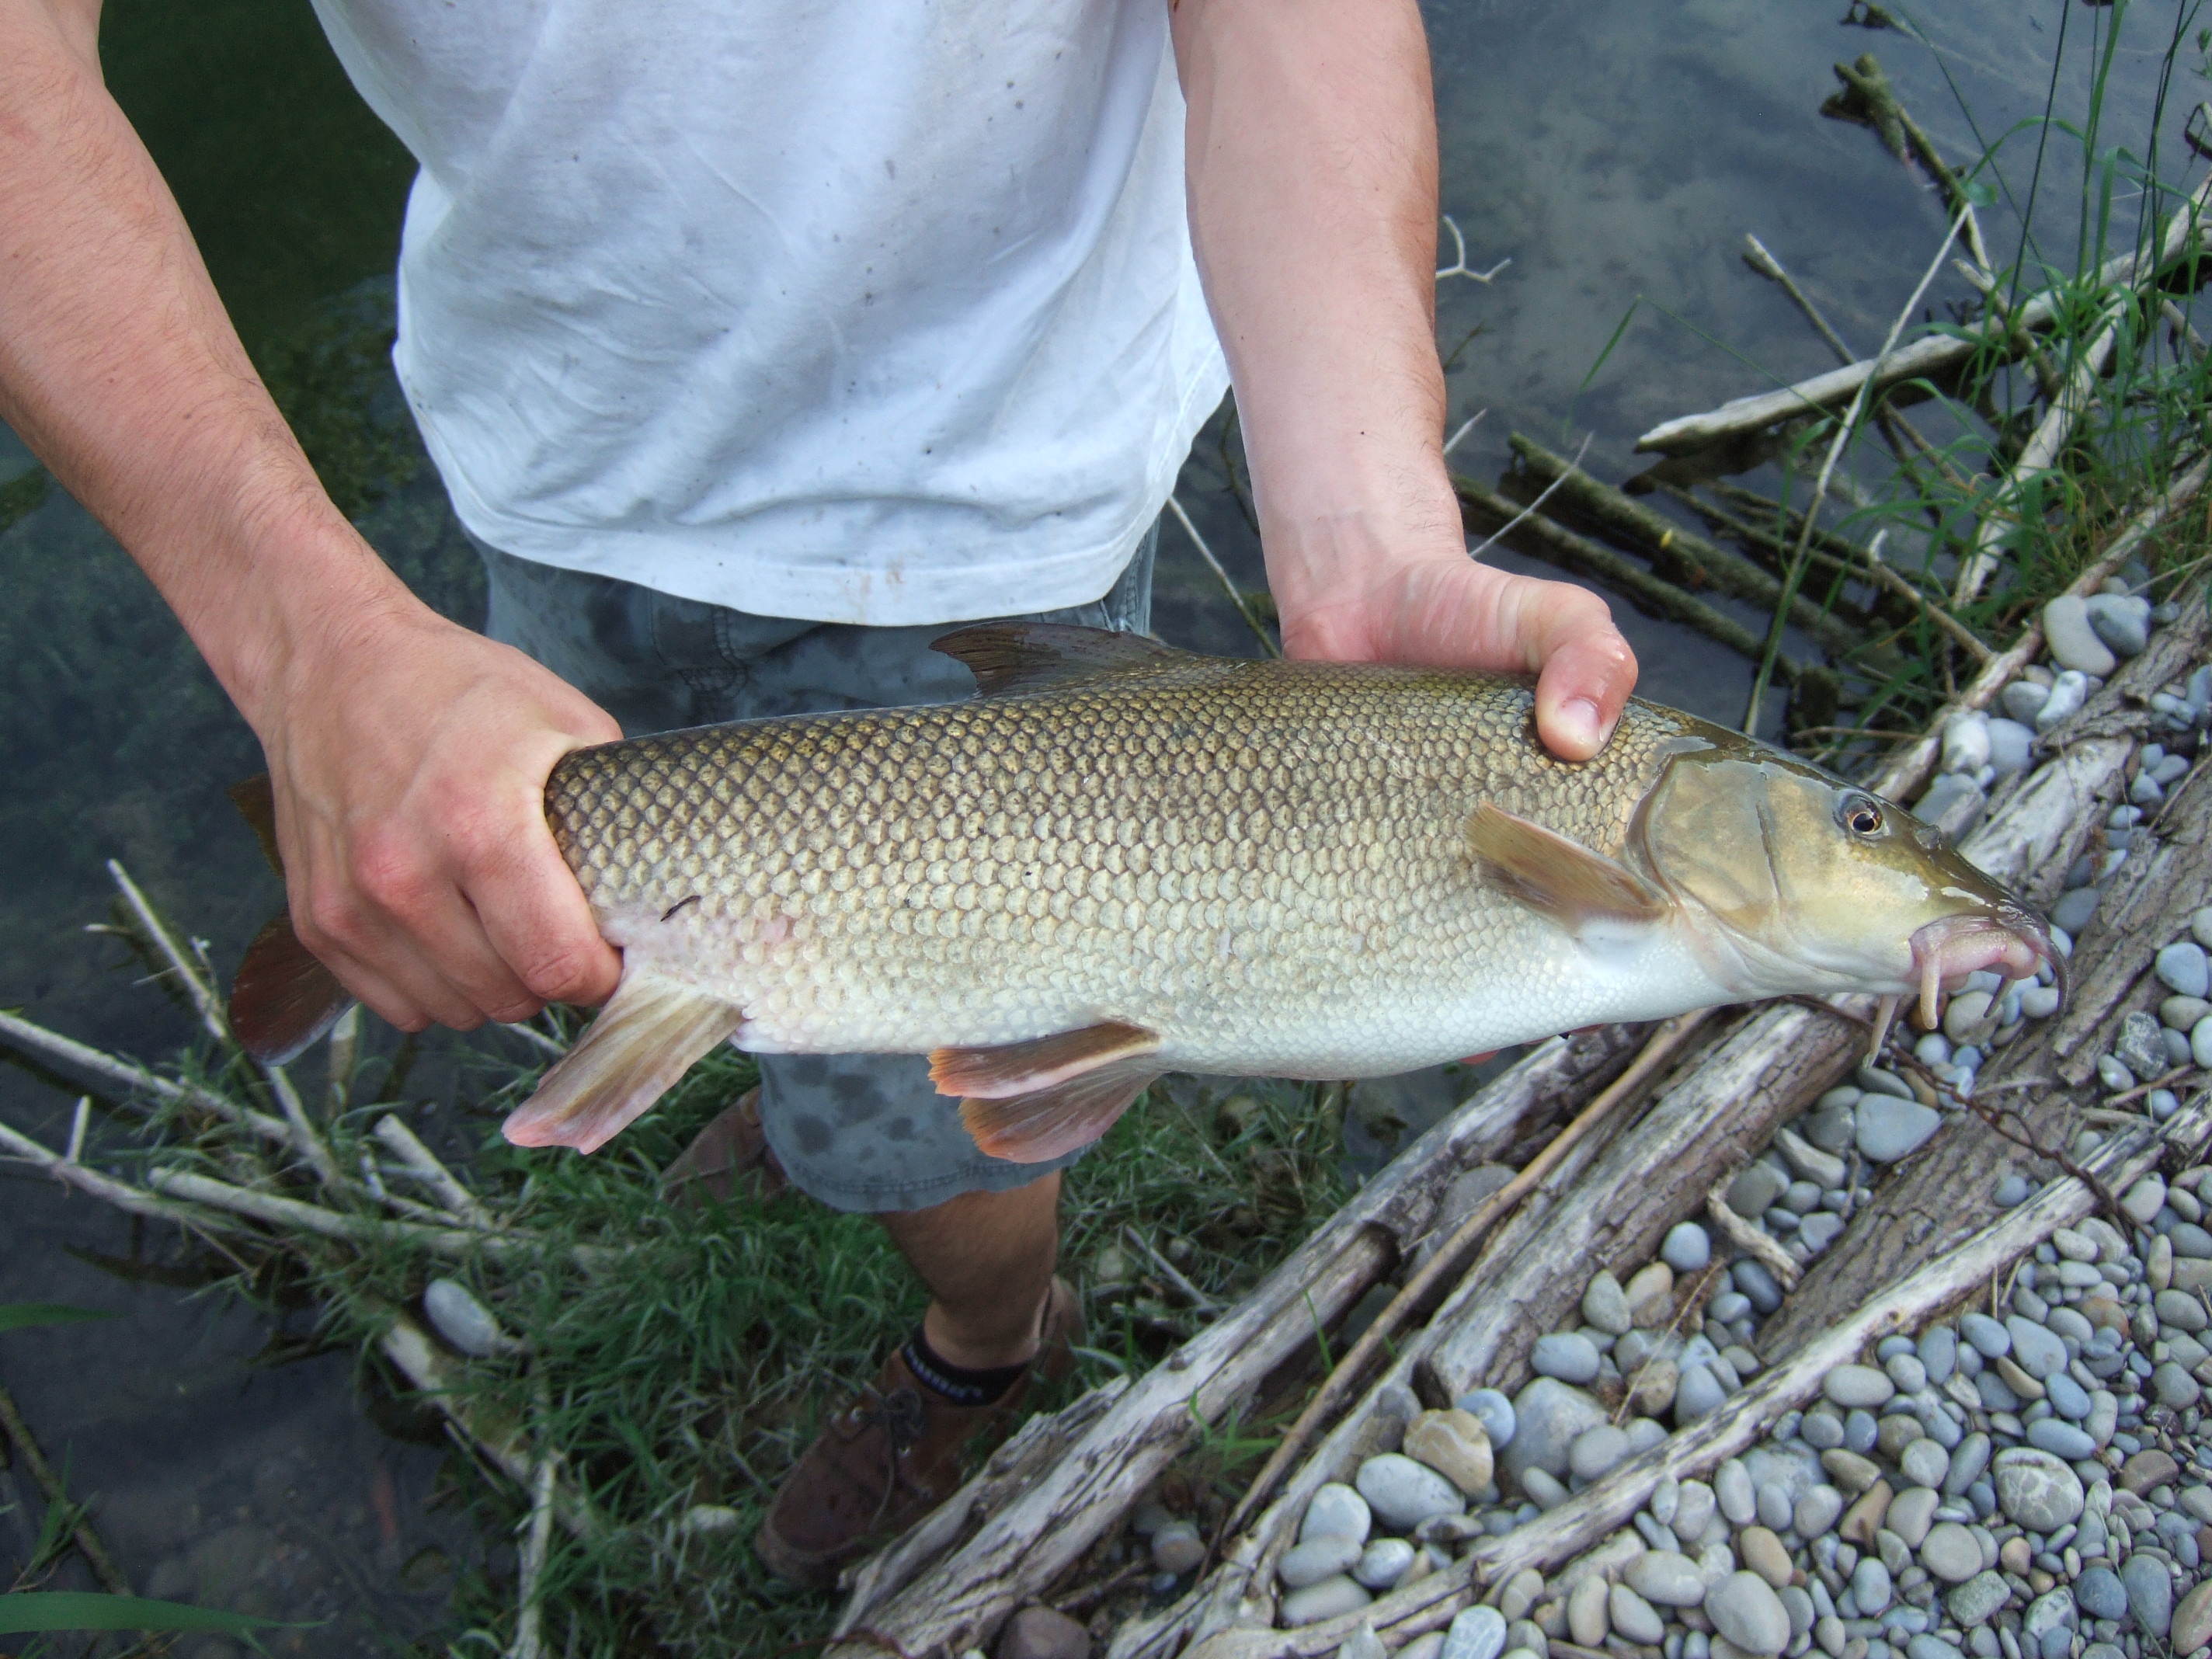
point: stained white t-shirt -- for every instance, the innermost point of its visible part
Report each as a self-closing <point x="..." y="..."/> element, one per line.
<point x="867" y="311"/>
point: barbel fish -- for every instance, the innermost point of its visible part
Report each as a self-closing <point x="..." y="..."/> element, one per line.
<point x="1121" y="860"/>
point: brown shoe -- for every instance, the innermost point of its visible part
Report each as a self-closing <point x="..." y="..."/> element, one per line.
<point x="721" y="1155"/>
<point x="893" y="1455"/>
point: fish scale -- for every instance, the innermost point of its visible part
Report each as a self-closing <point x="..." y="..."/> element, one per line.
<point x="1259" y="862"/>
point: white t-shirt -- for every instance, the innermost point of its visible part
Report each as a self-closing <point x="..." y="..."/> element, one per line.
<point x="866" y="311"/>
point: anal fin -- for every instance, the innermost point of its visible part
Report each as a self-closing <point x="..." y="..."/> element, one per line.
<point x="639" y="1047"/>
<point x="1031" y="1102"/>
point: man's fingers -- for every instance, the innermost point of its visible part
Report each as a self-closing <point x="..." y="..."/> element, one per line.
<point x="1585" y="668"/>
<point x="536" y="918"/>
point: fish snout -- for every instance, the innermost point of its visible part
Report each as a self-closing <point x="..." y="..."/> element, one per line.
<point x="2013" y="940"/>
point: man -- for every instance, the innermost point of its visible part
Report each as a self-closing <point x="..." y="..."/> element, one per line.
<point x="754" y="345"/>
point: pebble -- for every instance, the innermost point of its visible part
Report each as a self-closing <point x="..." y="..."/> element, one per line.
<point x="1634" y="1618"/>
<point x="1990" y="1338"/>
<point x="1762" y="1552"/>
<point x="1938" y="1349"/>
<point x="2141" y="1046"/>
<point x="1455" y="1445"/>
<point x="1548" y="1415"/>
<point x="1336" y="1511"/>
<point x="2147" y="1470"/>
<point x="1597" y="1451"/>
<point x="1978" y="1598"/>
<point x="1176" y="1548"/>
<point x="1382" y="1562"/>
<point x="2023" y="699"/>
<point x="2175" y="1386"/>
<point x="2192" y="1620"/>
<point x="2073" y="640"/>
<point x="2185" y="969"/>
<point x="2149" y="1592"/>
<point x="1732" y="1490"/>
<point x="1698" y="1393"/>
<point x="1326" y="1600"/>
<point x="1403" y="1494"/>
<point x="2180" y="1309"/>
<point x="2056" y="1436"/>
<point x="2121" y="621"/>
<point x="1494" y="1412"/>
<point x="2068" y="693"/>
<point x="1967" y="1018"/>
<point x="1476" y="1633"/>
<point x="1951" y="1553"/>
<point x="1650" y="1293"/>
<point x="1302" y="1563"/>
<point x="1871" y="1588"/>
<point x="2012" y="745"/>
<point x="2034" y="1348"/>
<point x="1911" y="1512"/>
<point x="1688" y="1249"/>
<point x="2067" y="1398"/>
<point x="1665" y="1578"/>
<point x="1850" y="1471"/>
<point x="2200" y="1041"/>
<point x="1745" y="1609"/>
<point x="1362" y="1644"/>
<point x="1925" y="1463"/>
<point x="1567" y="1356"/>
<point x="1890" y="1128"/>
<point x="2036" y="1489"/>
<point x="1858" y="1385"/>
<point x="2100" y="1592"/>
<point x="1606" y="1307"/>
<point x="1817" y="1510"/>
<point x="2073" y="908"/>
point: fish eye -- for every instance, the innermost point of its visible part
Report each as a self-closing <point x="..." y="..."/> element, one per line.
<point x="1860" y="814"/>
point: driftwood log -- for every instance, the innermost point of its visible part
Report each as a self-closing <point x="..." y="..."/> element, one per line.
<point x="995" y="1554"/>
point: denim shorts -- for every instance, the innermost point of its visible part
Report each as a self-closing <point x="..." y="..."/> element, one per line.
<point x="859" y="1132"/>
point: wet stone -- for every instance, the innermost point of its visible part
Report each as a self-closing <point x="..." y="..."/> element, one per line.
<point x="1745" y="1609"/>
<point x="2037" y="1490"/>
<point x="1890" y="1128"/>
<point x="1567" y="1356"/>
<point x="1326" y="1600"/>
<point x="1382" y="1562"/>
<point x="1978" y="1598"/>
<point x="1321" y="1557"/>
<point x="2035" y="1348"/>
<point x="1857" y="1385"/>
<point x="1494" y="1412"/>
<point x="2185" y="969"/>
<point x="1476" y="1633"/>
<point x="1403" y="1494"/>
<point x="1336" y="1510"/>
<point x="1951" y="1553"/>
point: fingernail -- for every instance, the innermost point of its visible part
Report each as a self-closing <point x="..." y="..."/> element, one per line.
<point x="1581" y="723"/>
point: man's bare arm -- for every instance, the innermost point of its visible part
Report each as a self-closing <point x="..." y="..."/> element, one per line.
<point x="408" y="755"/>
<point x="1312" y="165"/>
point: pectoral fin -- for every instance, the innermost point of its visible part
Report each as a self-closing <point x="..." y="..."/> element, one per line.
<point x="640" y="1045"/>
<point x="1558" y="878"/>
<point x="1031" y="1101"/>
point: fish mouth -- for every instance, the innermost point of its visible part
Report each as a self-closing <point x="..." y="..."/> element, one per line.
<point x="2016" y="941"/>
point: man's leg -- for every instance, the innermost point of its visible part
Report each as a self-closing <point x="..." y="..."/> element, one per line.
<point x="988" y="1259"/>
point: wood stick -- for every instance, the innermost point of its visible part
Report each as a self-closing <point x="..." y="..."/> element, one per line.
<point x="130" y="1078"/>
<point x="1680" y="552"/>
<point x="1752" y="1241"/>
<point x="155" y="933"/>
<point x="1449" y="1261"/>
<point x="344" y="1044"/>
<point x="1930" y="354"/>
<point x="1235" y="594"/>
<point x="401" y="1139"/>
<point x="1908" y="769"/>
<point x="121" y="1193"/>
<point x="305" y="1135"/>
<point x="536" y="1542"/>
<point x="1584" y="557"/>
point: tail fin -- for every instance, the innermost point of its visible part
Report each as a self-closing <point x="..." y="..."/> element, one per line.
<point x="283" y="998"/>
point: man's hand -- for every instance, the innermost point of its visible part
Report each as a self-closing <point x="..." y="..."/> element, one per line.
<point x="1451" y="612"/>
<point x="1311" y="153"/>
<point x="409" y="758"/>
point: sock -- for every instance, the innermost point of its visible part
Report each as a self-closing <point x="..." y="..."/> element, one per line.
<point x="959" y="1384"/>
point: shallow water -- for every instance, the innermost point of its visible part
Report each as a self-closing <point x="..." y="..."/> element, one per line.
<point x="1616" y="152"/>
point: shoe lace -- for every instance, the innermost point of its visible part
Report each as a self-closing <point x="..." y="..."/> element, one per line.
<point x="903" y="1419"/>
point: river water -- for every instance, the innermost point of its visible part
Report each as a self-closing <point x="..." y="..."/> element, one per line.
<point x="1615" y="152"/>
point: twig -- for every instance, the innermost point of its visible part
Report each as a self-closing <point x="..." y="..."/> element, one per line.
<point x="1465" y="427"/>
<point x="150" y="927"/>
<point x="1529" y="511"/>
<point x="306" y="1136"/>
<point x="131" y="1078"/>
<point x="1086" y="1596"/>
<point x="528" y="1642"/>
<point x="1235" y="595"/>
<point x="21" y="1148"/>
<point x="1199" y="1300"/>
<point x="345" y="1042"/>
<point x="1965" y="636"/>
<point x="1757" y="256"/>
<point x="81" y="1533"/>
<point x="1458" y="267"/>
<point x="1844" y="430"/>
<point x="1449" y="1261"/>
<point x="1869" y="96"/>
<point x="536" y="1038"/>
<point x="1752" y="1241"/>
<point x="2142" y="1089"/>
<point x="79" y="1122"/>
<point x="397" y="1136"/>
<point x="1997" y="1118"/>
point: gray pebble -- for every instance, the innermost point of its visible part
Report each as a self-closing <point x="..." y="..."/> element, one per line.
<point x="1772" y="1501"/>
<point x="1752" y="1279"/>
<point x="1938" y="1347"/>
<point x="1597" y="1451"/>
<point x="2037" y="1490"/>
<point x="1890" y="1128"/>
<point x="2073" y="639"/>
<point x="2185" y="968"/>
<point x="2149" y="1593"/>
<point x="2175" y="1386"/>
<point x="1819" y="1230"/>
<point x="1850" y="1386"/>
<point x="1698" y="1393"/>
<point x="1925" y="1463"/>
<point x="1548" y="1414"/>
<point x="2023" y="699"/>
<point x="1336" y="1510"/>
<point x="1732" y="1490"/>
<point x="2039" y="1001"/>
<point x="2057" y="1436"/>
<point x="1403" y="1494"/>
<point x="1870" y="1586"/>
<point x="2200" y="926"/>
<point x="2068" y="693"/>
<point x="2034" y="1348"/>
<point x="2100" y="1594"/>
<point x="1382" y="1562"/>
<point x="1495" y="1413"/>
<point x="2141" y="1046"/>
<point x="1476" y="1633"/>
<point x="1686" y="1248"/>
<point x="1978" y="1598"/>
<point x="2067" y="1398"/>
<point x="1951" y="1553"/>
<point x="1744" y="1608"/>
<point x="1988" y="1336"/>
<point x="1304" y="1564"/>
<point x="1327" y="1600"/>
<point x="2073" y="908"/>
<point x="1816" y="1510"/>
<point x="2112" y="1072"/>
<point x="2123" y="623"/>
<point x="1568" y="1356"/>
<point x="2012" y="745"/>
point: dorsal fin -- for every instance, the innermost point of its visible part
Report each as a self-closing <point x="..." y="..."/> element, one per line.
<point x="255" y="798"/>
<point x="1009" y="658"/>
